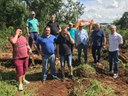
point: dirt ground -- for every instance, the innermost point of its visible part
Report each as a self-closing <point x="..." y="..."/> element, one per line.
<point x="59" y="88"/>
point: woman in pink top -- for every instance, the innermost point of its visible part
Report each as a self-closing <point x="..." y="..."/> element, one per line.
<point x="20" y="56"/>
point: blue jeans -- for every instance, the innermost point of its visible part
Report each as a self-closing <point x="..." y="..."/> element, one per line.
<point x="96" y="53"/>
<point x="33" y="36"/>
<point x="67" y="58"/>
<point x="84" y="47"/>
<point x="113" y="60"/>
<point x="48" y="59"/>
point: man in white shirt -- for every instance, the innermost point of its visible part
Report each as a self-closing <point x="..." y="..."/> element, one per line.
<point x="115" y="39"/>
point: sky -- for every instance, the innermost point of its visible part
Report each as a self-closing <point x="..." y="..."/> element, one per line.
<point x="103" y="11"/>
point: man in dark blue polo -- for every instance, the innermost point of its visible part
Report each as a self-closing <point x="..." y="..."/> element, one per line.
<point x="98" y="41"/>
<point x="48" y="53"/>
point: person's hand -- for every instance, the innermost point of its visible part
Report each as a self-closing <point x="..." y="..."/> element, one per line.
<point x="68" y="33"/>
<point x="28" y="34"/>
<point x="76" y="45"/>
<point x="104" y="45"/>
<point x="57" y="55"/>
<point x="18" y="31"/>
<point x="30" y="51"/>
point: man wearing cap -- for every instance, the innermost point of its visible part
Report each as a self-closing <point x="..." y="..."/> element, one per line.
<point x="54" y="26"/>
<point x="32" y="28"/>
<point x="72" y="33"/>
<point x="81" y="40"/>
<point x="98" y="41"/>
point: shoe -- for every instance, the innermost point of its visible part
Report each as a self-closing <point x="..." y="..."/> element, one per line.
<point x="72" y="77"/>
<point x="55" y="77"/>
<point x="63" y="78"/>
<point x="115" y="76"/>
<point x="110" y="72"/>
<point x="20" y="87"/>
<point x="26" y="82"/>
<point x="43" y="81"/>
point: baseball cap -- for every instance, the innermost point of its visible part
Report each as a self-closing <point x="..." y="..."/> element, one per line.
<point x="81" y="24"/>
<point x="32" y="12"/>
<point x="70" y="23"/>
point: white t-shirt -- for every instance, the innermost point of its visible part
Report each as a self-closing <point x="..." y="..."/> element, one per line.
<point x="114" y="41"/>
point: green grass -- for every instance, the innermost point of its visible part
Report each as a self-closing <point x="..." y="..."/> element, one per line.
<point x="90" y="87"/>
<point x="85" y="70"/>
<point x="9" y="84"/>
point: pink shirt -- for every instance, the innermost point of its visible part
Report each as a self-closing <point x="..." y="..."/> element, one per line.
<point x="20" y="48"/>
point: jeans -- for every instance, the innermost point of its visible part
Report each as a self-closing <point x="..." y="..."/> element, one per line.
<point x="33" y="36"/>
<point x="67" y="58"/>
<point x="84" y="47"/>
<point x="96" y="53"/>
<point x="113" y="60"/>
<point x="48" y="59"/>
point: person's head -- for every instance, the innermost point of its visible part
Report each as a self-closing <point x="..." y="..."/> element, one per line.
<point x="81" y="26"/>
<point x="33" y="14"/>
<point x="113" y="29"/>
<point x="70" y="25"/>
<point x="53" y="18"/>
<point x="64" y="30"/>
<point x="47" y="31"/>
<point x="97" y="26"/>
<point x="18" y="31"/>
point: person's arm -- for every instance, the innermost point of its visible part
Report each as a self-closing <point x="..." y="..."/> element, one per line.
<point x="76" y="44"/>
<point x="57" y="49"/>
<point x="14" y="39"/>
<point x="104" y="40"/>
<point x="120" y="40"/>
<point x="71" y="39"/>
<point x="27" y="30"/>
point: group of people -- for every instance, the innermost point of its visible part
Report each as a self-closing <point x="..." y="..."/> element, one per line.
<point x="54" y="44"/>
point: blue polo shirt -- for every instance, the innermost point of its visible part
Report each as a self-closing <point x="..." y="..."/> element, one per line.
<point x="32" y="24"/>
<point x="47" y="44"/>
<point x="97" y="37"/>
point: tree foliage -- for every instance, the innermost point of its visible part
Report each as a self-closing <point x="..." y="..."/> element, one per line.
<point x="70" y="11"/>
<point x="12" y="13"/>
<point x="123" y="22"/>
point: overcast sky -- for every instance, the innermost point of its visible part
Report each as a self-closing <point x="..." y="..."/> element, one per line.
<point x="103" y="10"/>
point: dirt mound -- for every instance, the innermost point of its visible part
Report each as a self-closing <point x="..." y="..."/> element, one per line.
<point x="52" y="88"/>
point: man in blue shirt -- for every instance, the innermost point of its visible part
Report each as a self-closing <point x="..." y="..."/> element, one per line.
<point x="48" y="52"/>
<point x="81" y="40"/>
<point x="98" y="40"/>
<point x="32" y="28"/>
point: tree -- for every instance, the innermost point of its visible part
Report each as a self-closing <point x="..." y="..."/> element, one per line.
<point x="12" y="13"/>
<point x="123" y="22"/>
<point x="70" y="11"/>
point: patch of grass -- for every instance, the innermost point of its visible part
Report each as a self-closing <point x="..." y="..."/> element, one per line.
<point x="7" y="89"/>
<point x="89" y="87"/>
<point x="85" y="70"/>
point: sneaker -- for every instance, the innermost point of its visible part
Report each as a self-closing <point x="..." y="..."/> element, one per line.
<point x="55" y="77"/>
<point x="110" y="72"/>
<point x="26" y="82"/>
<point x="115" y="76"/>
<point x="20" y="87"/>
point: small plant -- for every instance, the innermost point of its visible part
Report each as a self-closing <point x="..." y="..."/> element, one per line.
<point x="85" y="70"/>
